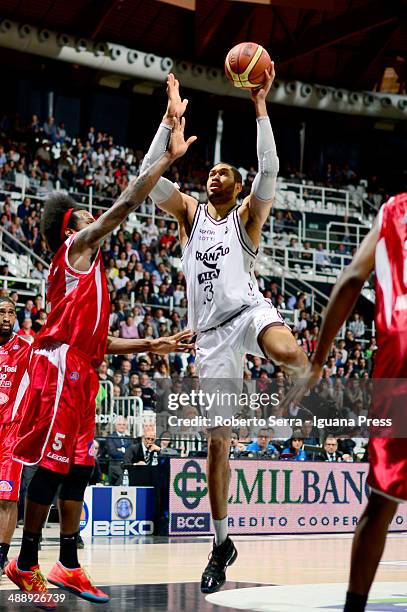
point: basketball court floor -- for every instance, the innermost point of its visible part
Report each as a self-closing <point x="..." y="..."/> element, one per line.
<point x="271" y="574"/>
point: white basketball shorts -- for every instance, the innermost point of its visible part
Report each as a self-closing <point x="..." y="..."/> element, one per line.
<point x="221" y="351"/>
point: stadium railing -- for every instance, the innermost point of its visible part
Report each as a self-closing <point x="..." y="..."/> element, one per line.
<point x="304" y="261"/>
<point x="17" y="254"/>
<point x="335" y="231"/>
<point x="17" y="195"/>
<point x="290" y="196"/>
<point x="187" y="443"/>
<point x="306" y="230"/>
<point x="27" y="287"/>
<point x="300" y="196"/>
<point x="109" y="408"/>
<point x="325" y="198"/>
<point x="294" y="197"/>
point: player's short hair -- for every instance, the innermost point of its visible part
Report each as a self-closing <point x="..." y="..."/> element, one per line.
<point x="55" y="206"/>
<point x="236" y="174"/>
<point x="7" y="299"/>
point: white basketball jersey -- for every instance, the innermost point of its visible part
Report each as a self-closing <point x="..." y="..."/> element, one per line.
<point x="218" y="263"/>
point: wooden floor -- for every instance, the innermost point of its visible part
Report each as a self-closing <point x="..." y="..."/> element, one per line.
<point x="163" y="573"/>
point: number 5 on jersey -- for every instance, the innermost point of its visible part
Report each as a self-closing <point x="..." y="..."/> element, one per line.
<point x="57" y="444"/>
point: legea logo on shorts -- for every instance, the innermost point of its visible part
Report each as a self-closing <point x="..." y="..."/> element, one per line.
<point x="3" y="398"/>
<point x="57" y="457"/>
<point x="74" y="376"/>
<point x="6" y="486"/>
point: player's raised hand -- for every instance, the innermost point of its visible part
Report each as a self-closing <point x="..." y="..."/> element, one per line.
<point x="262" y="92"/>
<point x="175" y="106"/>
<point x="173" y="344"/>
<point x="178" y="145"/>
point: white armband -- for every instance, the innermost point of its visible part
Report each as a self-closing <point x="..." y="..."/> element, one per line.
<point x="162" y="191"/>
<point x="264" y="184"/>
<point x="158" y="146"/>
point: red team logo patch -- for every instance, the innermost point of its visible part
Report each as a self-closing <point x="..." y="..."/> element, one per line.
<point x="6" y="486"/>
<point x="74" y="376"/>
<point x="3" y="398"/>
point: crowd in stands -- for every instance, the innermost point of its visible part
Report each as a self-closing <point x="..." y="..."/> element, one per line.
<point x="340" y="176"/>
<point x="147" y="286"/>
<point x="41" y="155"/>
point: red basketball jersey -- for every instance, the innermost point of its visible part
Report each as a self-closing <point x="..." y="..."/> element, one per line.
<point x="391" y="289"/>
<point x="14" y="357"/>
<point x="78" y="306"/>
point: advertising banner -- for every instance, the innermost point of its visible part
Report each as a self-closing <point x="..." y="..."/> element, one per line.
<point x="274" y="497"/>
<point x="118" y="511"/>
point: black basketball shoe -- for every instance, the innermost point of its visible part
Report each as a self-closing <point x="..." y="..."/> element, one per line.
<point x="2" y="567"/>
<point x="221" y="557"/>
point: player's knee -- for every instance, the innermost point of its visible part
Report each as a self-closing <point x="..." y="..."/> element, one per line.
<point x="6" y="505"/>
<point x="43" y="486"/>
<point x="288" y="354"/>
<point x="75" y="483"/>
<point x="380" y="506"/>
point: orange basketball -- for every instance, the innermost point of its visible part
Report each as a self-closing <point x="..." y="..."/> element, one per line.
<point x="245" y="65"/>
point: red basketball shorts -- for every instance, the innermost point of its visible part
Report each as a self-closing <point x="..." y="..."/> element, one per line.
<point x="10" y="471"/>
<point x="388" y="467"/>
<point x="58" y="412"/>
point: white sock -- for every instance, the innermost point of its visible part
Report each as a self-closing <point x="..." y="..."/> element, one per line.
<point x="221" y="530"/>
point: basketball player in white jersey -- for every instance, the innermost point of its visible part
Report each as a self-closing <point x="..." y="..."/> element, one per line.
<point x="220" y="240"/>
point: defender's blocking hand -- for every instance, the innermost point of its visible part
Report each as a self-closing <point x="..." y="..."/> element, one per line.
<point x="178" y="145"/>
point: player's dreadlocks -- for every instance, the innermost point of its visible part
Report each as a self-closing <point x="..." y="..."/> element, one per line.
<point x="55" y="219"/>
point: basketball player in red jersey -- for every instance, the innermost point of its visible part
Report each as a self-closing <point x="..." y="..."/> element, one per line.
<point x="57" y="430"/>
<point x="383" y="250"/>
<point x="14" y="355"/>
<point x="14" y="359"/>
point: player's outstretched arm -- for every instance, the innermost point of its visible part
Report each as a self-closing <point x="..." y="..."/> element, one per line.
<point x="165" y="194"/>
<point x="175" y="108"/>
<point x="89" y="238"/>
<point x="179" y="343"/>
<point x="264" y="185"/>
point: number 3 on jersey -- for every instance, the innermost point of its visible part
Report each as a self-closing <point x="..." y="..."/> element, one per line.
<point x="57" y="444"/>
<point x="208" y="288"/>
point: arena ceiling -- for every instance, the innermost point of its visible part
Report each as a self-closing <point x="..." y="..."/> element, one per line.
<point x="345" y="43"/>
